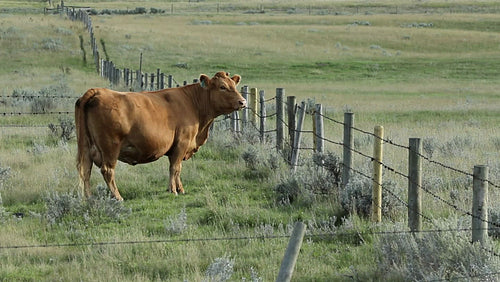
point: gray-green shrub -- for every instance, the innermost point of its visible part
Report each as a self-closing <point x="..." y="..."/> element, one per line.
<point x="177" y="224"/>
<point x="65" y="130"/>
<point x="4" y="176"/>
<point x="3" y="213"/>
<point x="356" y="197"/>
<point x="98" y="209"/>
<point x="220" y="270"/>
<point x="433" y="256"/>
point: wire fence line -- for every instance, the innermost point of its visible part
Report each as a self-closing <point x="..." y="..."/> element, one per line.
<point x="36" y="114"/>
<point x="329" y="235"/>
<point x="38" y="96"/>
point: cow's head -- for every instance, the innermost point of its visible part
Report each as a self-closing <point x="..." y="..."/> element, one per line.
<point x="224" y="96"/>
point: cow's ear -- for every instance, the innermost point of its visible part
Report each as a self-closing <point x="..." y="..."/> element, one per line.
<point x="204" y="80"/>
<point x="236" y="78"/>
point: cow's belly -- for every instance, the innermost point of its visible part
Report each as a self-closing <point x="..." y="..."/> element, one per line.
<point x="136" y="155"/>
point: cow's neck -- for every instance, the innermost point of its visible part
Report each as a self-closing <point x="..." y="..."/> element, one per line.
<point x="206" y="113"/>
<point x="201" y="103"/>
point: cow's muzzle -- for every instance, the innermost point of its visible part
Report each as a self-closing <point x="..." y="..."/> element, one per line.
<point x="242" y="103"/>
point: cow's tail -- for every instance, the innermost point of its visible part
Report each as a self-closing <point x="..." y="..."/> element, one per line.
<point x="83" y="159"/>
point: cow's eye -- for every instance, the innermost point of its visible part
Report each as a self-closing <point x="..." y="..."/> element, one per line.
<point x="223" y="87"/>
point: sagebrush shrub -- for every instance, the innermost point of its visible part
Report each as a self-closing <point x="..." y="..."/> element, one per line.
<point x="4" y="176"/>
<point x="65" y="130"/>
<point x="456" y="146"/>
<point x="429" y="146"/>
<point x="356" y="197"/>
<point x="68" y="207"/>
<point x="177" y="224"/>
<point x="261" y="161"/>
<point x="406" y="257"/>
<point x="287" y="191"/>
<point x="3" y="213"/>
<point x="52" y="44"/>
<point x="494" y="218"/>
<point x="220" y="270"/>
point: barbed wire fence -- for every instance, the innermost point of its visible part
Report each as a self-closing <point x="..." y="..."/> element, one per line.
<point x="296" y="129"/>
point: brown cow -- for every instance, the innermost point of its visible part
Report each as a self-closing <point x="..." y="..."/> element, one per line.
<point x="141" y="127"/>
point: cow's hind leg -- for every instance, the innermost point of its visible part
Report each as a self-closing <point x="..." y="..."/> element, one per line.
<point x="84" y="167"/>
<point x="108" y="172"/>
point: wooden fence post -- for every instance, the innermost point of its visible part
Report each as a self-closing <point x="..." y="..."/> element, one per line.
<point x="170" y="81"/>
<point x="138" y="79"/>
<point x="319" y="142"/>
<point x="244" y="117"/>
<point x="377" y="174"/>
<point x="262" y="116"/>
<point x="158" y="79"/>
<point x="253" y="106"/>
<point x="480" y="204"/>
<point x="291" y="103"/>
<point x="162" y="81"/>
<point x="280" y="115"/>
<point x="298" y="136"/>
<point x="414" y="184"/>
<point x="348" y="146"/>
<point x="235" y="121"/>
<point x="291" y="253"/>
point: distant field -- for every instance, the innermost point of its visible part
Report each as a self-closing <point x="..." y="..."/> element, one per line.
<point x="421" y="69"/>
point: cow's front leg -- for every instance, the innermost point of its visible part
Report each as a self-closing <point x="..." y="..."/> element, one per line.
<point x="175" y="185"/>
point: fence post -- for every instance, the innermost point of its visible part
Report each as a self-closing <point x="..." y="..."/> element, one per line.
<point x="138" y="79"/>
<point x="319" y="142"/>
<point x="253" y="106"/>
<point x="262" y="116"/>
<point x="377" y="174"/>
<point x="414" y="184"/>
<point x="170" y="81"/>
<point x="348" y="146"/>
<point x="235" y="121"/>
<point x="292" y="252"/>
<point x="298" y="136"/>
<point x="125" y="76"/>
<point x="480" y="204"/>
<point x="280" y="115"/>
<point x="291" y="103"/>
<point x="244" y="118"/>
<point x="162" y="81"/>
<point x="158" y="79"/>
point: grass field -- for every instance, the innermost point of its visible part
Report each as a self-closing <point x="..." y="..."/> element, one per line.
<point x="438" y="82"/>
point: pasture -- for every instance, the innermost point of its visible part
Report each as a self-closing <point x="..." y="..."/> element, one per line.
<point x="431" y="75"/>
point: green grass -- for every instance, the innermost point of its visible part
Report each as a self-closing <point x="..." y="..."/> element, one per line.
<point x="438" y="83"/>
